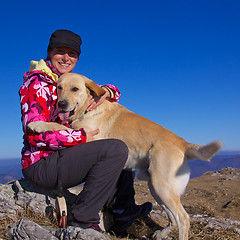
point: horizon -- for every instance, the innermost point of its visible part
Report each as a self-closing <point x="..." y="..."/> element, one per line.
<point x="175" y="62"/>
<point x="221" y="152"/>
<point x="11" y="168"/>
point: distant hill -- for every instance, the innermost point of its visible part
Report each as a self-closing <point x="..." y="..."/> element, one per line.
<point x="10" y="169"/>
<point x="220" y="161"/>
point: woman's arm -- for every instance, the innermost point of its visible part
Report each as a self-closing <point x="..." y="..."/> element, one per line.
<point x="112" y="95"/>
<point x="38" y="98"/>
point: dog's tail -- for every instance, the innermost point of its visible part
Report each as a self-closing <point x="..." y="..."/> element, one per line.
<point x="203" y="152"/>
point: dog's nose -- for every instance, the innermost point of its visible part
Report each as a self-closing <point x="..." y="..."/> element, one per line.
<point x="63" y="104"/>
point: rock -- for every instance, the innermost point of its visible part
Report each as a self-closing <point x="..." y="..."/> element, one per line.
<point x="28" y="230"/>
<point x="218" y="223"/>
<point x="20" y="196"/>
<point x="78" y="233"/>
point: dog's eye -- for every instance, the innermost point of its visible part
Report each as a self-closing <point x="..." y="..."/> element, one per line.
<point x="74" y="89"/>
<point x="59" y="88"/>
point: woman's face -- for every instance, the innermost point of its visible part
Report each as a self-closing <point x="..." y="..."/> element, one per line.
<point x="63" y="59"/>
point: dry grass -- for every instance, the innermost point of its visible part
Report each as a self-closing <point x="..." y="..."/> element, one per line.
<point x="142" y="229"/>
<point x="198" y="231"/>
<point x="4" y="226"/>
<point x="40" y="219"/>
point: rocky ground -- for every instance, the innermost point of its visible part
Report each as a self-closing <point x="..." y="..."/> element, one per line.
<point x="212" y="201"/>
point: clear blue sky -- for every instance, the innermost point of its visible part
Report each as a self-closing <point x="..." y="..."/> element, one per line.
<point x="175" y="62"/>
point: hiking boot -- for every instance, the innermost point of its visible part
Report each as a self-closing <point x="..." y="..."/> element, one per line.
<point x="123" y="220"/>
<point x="93" y="226"/>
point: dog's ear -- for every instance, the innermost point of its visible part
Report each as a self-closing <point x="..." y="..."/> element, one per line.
<point x="92" y="86"/>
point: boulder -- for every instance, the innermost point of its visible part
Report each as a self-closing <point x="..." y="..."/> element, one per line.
<point x="19" y="196"/>
<point x="28" y="230"/>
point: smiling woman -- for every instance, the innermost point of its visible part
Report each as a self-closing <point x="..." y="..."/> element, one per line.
<point x="74" y="153"/>
<point x="63" y="58"/>
<point x="64" y="50"/>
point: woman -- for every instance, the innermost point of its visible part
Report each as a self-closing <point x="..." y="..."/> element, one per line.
<point x="74" y="153"/>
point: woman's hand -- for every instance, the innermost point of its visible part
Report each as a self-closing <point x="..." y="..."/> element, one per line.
<point x="96" y="101"/>
<point x="90" y="135"/>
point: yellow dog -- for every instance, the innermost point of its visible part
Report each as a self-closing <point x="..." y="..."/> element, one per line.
<point x="160" y="155"/>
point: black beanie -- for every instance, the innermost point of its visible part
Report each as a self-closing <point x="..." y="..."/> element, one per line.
<point x="65" y="38"/>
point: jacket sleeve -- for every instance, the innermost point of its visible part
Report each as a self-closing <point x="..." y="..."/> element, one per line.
<point x="114" y="93"/>
<point x="38" y="98"/>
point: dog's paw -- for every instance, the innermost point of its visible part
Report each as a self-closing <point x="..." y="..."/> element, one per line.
<point x="36" y="127"/>
<point x="161" y="234"/>
<point x="72" y="118"/>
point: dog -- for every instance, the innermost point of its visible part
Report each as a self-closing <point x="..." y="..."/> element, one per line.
<point x="160" y="155"/>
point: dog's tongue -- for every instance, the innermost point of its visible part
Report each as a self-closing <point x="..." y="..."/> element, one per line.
<point x="63" y="115"/>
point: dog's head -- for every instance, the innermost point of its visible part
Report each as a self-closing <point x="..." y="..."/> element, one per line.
<point x="74" y="92"/>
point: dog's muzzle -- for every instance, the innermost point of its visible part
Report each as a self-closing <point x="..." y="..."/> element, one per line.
<point x="62" y="105"/>
<point x="63" y="114"/>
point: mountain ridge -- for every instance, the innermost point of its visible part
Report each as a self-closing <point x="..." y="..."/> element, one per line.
<point x="10" y="169"/>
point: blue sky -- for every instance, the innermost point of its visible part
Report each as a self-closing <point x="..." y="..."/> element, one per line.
<point x="175" y="62"/>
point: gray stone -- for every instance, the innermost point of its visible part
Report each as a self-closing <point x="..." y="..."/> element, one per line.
<point x="79" y="233"/>
<point x="26" y="229"/>
<point x="20" y="195"/>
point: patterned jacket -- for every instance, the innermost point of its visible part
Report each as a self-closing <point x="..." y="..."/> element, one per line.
<point x="38" y="96"/>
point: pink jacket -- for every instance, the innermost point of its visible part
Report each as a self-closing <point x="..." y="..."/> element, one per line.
<point x="38" y="103"/>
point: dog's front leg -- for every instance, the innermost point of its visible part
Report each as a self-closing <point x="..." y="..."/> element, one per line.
<point x="78" y="124"/>
<point x="40" y="127"/>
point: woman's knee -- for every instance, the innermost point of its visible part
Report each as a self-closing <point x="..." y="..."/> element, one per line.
<point x="119" y="148"/>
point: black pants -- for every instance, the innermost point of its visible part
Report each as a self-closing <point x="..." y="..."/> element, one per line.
<point x="99" y="164"/>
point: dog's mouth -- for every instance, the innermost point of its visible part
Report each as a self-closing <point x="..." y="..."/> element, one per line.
<point x="63" y="115"/>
